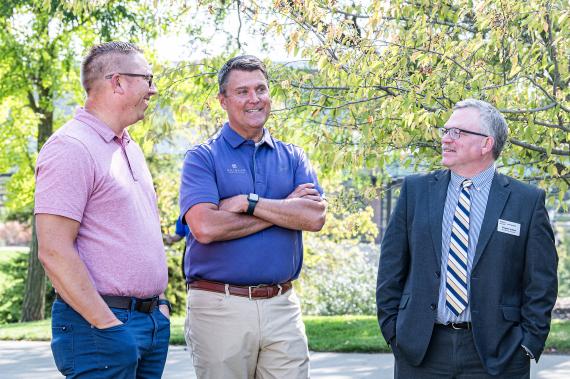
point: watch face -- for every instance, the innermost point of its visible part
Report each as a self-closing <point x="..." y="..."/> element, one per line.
<point x="253" y="197"/>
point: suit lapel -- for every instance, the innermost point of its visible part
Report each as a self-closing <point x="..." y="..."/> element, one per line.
<point x="436" y="203"/>
<point x="498" y="195"/>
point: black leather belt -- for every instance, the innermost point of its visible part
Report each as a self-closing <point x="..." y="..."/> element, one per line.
<point x="125" y="302"/>
<point x="456" y="325"/>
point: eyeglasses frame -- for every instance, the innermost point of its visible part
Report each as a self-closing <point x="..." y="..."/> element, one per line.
<point x="147" y="77"/>
<point x="457" y="131"/>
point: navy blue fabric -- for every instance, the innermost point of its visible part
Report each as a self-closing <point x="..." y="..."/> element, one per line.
<point x="135" y="349"/>
<point x="452" y="354"/>
<point x="513" y="280"/>
<point x="228" y="165"/>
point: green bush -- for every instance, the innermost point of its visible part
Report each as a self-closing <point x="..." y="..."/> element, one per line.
<point x="176" y="291"/>
<point x="338" y="278"/>
<point x="13" y="270"/>
<point x="563" y="248"/>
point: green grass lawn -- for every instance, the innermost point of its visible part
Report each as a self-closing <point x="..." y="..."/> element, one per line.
<point x="325" y="333"/>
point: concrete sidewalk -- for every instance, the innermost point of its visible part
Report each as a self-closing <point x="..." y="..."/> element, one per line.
<point x="33" y="360"/>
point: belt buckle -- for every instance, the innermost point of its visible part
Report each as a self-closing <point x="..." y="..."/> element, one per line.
<point x="254" y="287"/>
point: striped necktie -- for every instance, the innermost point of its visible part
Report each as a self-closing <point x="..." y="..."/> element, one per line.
<point x="456" y="298"/>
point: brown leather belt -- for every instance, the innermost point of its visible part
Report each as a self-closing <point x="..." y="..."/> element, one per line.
<point x="261" y="291"/>
<point x="125" y="302"/>
<point x="456" y="325"/>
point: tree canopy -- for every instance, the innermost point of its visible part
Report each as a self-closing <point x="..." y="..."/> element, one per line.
<point x="378" y="77"/>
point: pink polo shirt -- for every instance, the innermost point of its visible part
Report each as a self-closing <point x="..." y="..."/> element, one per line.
<point x="84" y="174"/>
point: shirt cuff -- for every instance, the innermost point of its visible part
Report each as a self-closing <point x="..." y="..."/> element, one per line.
<point x="528" y="352"/>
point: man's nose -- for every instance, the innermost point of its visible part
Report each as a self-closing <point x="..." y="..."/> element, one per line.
<point x="152" y="89"/>
<point x="447" y="138"/>
<point x="252" y="97"/>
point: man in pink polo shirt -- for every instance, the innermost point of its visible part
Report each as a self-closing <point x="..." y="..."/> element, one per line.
<point x="98" y="228"/>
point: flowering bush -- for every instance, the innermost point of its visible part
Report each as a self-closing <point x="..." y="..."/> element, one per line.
<point x="14" y="233"/>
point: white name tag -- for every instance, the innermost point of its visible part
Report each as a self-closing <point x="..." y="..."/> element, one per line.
<point x="509" y="227"/>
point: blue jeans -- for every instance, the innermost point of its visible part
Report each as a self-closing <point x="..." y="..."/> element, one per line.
<point x="135" y="349"/>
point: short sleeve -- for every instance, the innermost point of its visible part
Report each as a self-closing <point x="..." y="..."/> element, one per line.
<point x="64" y="178"/>
<point x="305" y="172"/>
<point x="198" y="180"/>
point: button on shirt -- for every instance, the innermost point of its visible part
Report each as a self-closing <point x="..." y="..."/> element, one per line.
<point x="228" y="165"/>
<point x="479" y="193"/>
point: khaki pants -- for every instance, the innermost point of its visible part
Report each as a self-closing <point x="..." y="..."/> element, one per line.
<point x="234" y="337"/>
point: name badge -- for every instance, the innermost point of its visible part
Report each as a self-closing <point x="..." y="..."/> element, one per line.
<point x="509" y="227"/>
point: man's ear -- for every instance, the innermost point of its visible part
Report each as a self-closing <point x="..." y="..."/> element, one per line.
<point x="222" y="100"/>
<point x="487" y="145"/>
<point x="116" y="84"/>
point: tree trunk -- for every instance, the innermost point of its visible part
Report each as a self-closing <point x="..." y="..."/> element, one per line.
<point x="33" y="307"/>
<point x="34" y="297"/>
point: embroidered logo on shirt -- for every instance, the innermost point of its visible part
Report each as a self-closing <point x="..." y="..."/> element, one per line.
<point x="235" y="169"/>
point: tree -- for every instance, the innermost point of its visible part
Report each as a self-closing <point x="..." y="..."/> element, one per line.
<point x="380" y="76"/>
<point x="41" y="43"/>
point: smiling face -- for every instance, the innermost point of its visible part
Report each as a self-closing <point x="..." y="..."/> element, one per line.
<point x="469" y="154"/>
<point x="246" y="101"/>
<point x="137" y="91"/>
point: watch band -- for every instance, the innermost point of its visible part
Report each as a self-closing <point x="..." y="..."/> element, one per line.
<point x="252" y="200"/>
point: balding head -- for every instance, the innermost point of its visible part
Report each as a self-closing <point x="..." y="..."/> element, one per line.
<point x="103" y="59"/>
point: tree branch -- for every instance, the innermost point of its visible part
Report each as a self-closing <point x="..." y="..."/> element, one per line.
<point x="532" y="110"/>
<point x="538" y="148"/>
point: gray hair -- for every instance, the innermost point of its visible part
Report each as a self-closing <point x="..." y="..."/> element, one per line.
<point x="241" y="63"/>
<point x="103" y="58"/>
<point x="492" y="122"/>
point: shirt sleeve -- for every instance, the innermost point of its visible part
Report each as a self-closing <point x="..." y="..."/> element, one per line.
<point x="305" y="173"/>
<point x="198" y="180"/>
<point x="64" y="178"/>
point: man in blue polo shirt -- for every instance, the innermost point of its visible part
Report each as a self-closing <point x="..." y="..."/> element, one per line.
<point x="247" y="197"/>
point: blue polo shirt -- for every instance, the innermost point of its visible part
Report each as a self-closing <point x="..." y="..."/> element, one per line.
<point x="181" y="229"/>
<point x="228" y="165"/>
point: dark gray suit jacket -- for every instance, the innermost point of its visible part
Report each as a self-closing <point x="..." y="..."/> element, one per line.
<point x="513" y="280"/>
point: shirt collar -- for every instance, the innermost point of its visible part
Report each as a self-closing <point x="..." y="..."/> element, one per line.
<point x="99" y="126"/>
<point x="481" y="180"/>
<point x="235" y="140"/>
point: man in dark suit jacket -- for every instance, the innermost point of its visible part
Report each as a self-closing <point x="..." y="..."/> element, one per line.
<point x="467" y="277"/>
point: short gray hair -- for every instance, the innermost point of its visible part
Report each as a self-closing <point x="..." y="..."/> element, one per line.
<point x="99" y="60"/>
<point x="241" y="63"/>
<point x="492" y="122"/>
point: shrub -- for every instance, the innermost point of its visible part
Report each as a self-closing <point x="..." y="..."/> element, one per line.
<point x="176" y="291"/>
<point x="338" y="278"/>
<point x="13" y="270"/>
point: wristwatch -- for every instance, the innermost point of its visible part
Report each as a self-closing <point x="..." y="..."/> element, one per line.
<point x="252" y="199"/>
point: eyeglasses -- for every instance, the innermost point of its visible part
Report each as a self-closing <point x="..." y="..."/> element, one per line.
<point x="455" y="133"/>
<point x="147" y="77"/>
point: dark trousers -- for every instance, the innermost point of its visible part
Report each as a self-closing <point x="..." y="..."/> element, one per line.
<point x="135" y="349"/>
<point x="451" y="354"/>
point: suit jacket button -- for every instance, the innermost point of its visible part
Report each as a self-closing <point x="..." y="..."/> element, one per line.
<point x="437" y="274"/>
<point x="433" y="307"/>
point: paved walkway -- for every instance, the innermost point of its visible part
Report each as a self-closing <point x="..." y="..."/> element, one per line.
<point x="32" y="360"/>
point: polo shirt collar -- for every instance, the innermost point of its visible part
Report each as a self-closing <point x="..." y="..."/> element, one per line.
<point x="235" y="140"/>
<point x="480" y="180"/>
<point x="99" y="126"/>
